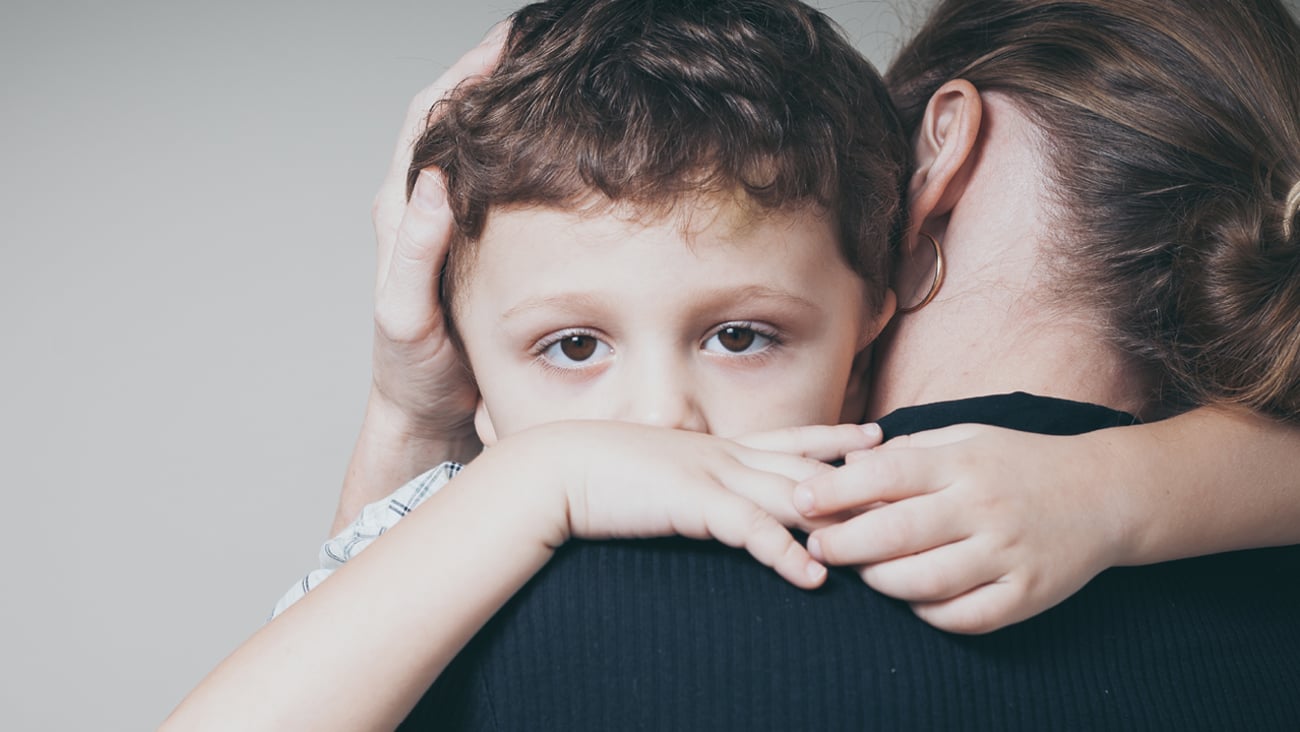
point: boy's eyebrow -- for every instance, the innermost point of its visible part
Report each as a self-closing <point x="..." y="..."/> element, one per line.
<point x="747" y="293"/>
<point x="764" y="292"/>
<point x="566" y="301"/>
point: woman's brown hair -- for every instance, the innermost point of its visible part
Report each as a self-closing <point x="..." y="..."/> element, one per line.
<point x="1173" y="130"/>
<point x="646" y="103"/>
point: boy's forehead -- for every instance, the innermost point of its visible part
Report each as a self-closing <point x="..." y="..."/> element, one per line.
<point x="724" y="216"/>
<point x="704" y="243"/>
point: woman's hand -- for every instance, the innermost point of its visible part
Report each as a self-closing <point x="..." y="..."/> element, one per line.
<point x="422" y="399"/>
<point x="977" y="527"/>
<point x="416" y="369"/>
<point x="621" y="480"/>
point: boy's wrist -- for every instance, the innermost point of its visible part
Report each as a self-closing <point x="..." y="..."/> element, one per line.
<point x="532" y="473"/>
<point x="1123" y="461"/>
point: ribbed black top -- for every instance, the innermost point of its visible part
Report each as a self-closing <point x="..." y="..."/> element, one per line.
<point x="675" y="634"/>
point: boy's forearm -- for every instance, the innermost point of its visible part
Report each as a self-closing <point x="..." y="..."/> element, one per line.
<point x="1209" y="481"/>
<point x="447" y="566"/>
<point x="388" y="453"/>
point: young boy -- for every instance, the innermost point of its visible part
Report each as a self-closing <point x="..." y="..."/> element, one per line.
<point x="673" y="214"/>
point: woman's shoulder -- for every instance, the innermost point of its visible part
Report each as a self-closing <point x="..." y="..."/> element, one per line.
<point x="682" y="634"/>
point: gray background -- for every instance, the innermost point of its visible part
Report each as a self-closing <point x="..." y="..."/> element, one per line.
<point x="185" y="273"/>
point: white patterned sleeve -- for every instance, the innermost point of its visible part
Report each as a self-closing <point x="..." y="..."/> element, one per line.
<point x="373" y="521"/>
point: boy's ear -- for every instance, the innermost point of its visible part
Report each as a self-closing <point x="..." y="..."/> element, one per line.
<point x="487" y="433"/>
<point x="875" y="322"/>
<point x="943" y="150"/>
<point x="858" y="388"/>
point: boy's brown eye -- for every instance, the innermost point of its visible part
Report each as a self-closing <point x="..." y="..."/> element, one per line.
<point x="735" y="339"/>
<point x="578" y="347"/>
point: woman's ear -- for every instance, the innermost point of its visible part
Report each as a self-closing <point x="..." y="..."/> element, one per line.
<point x="943" y="151"/>
<point x="487" y="433"/>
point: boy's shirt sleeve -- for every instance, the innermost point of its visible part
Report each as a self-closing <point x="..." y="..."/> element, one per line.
<point x="373" y="521"/>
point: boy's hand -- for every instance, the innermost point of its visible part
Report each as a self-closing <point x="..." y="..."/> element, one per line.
<point x="977" y="527"/>
<point x="620" y="480"/>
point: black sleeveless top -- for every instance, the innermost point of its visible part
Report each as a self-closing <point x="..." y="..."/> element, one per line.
<point x="675" y="634"/>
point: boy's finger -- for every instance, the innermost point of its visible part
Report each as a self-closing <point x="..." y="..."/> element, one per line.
<point x="769" y="486"/>
<point x="879" y="475"/>
<point x="792" y="469"/>
<point x="407" y="295"/>
<point x="743" y="525"/>
<point x="938" y="574"/>
<point x="888" y="533"/>
<point x="984" y="609"/>
<point x="938" y="437"/>
<point x="820" y="442"/>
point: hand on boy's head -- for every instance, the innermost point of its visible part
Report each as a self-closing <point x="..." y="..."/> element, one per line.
<point x="391" y="198"/>
<point x="418" y="376"/>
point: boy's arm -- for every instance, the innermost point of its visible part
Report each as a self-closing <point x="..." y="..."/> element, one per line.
<point x="373" y="520"/>
<point x="1209" y="481"/>
<point x="980" y="527"/>
<point x="454" y="561"/>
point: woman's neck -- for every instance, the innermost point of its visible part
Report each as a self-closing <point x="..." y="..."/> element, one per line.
<point x="993" y="347"/>
<point x="997" y="324"/>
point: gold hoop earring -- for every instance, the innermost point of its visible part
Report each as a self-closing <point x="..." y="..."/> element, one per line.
<point x="938" y="277"/>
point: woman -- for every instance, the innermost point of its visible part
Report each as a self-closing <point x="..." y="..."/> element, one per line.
<point x="1010" y="259"/>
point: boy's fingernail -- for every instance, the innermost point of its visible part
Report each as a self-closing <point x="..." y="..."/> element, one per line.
<point x="815" y="548"/>
<point x="872" y="430"/>
<point x="803" y="499"/>
<point x="430" y="194"/>
<point x="816" y="571"/>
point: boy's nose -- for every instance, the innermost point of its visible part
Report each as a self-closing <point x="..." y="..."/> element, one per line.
<point x="665" y="402"/>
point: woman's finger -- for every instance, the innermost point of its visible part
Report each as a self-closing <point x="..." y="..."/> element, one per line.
<point x="889" y="532"/>
<point x="938" y="574"/>
<point x="407" y="296"/>
<point x="389" y="205"/>
<point x="478" y="61"/>
<point x="876" y="476"/>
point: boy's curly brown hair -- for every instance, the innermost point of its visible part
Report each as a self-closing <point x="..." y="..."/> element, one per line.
<point x="649" y="102"/>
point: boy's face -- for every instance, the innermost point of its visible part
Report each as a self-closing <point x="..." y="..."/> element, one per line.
<point x="741" y="322"/>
